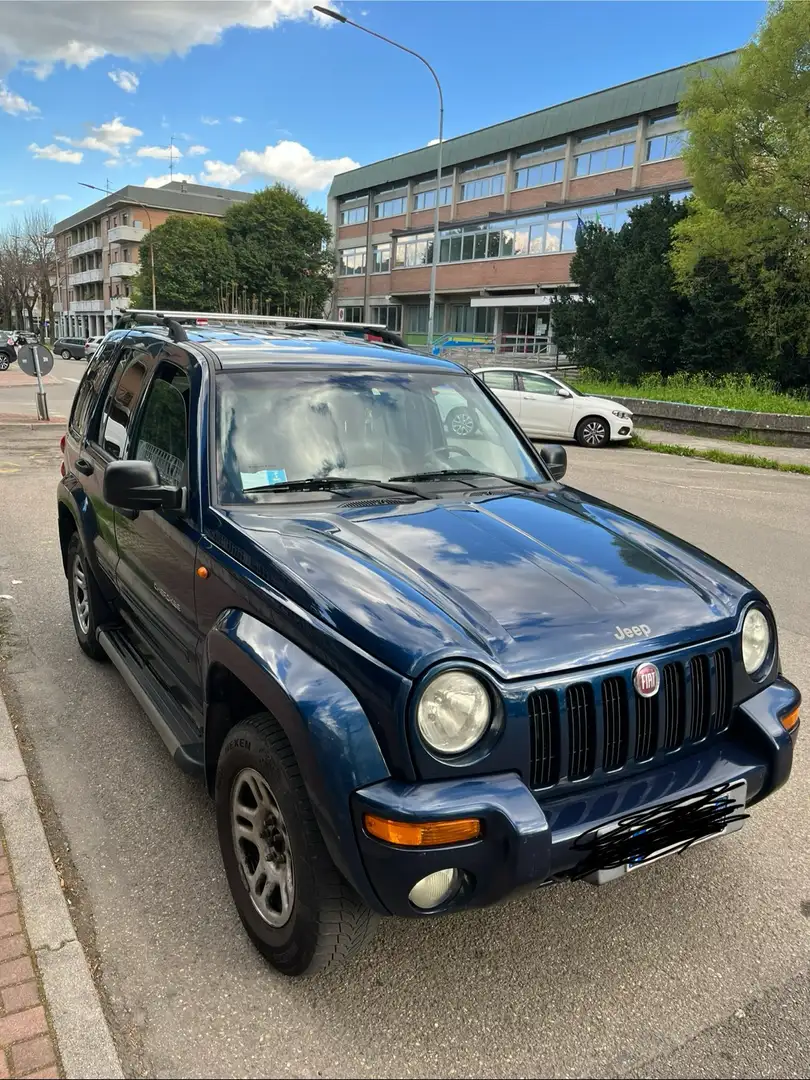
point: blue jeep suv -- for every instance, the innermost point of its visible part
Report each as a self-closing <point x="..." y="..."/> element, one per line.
<point x="416" y="673"/>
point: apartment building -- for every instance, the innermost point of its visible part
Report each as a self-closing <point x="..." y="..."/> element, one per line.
<point x="98" y="249"/>
<point x="511" y="199"/>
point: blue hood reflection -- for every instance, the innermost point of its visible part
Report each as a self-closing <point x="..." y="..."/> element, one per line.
<point x="525" y="584"/>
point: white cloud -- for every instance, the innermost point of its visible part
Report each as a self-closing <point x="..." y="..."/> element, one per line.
<point x="14" y="202"/>
<point x="108" y="138"/>
<point x="197" y="150"/>
<point x="433" y="142"/>
<point x="52" y="152"/>
<point x="162" y="153"/>
<point x="237" y="119"/>
<point x="289" y="162"/>
<point x="62" y="198"/>
<point x="220" y="173"/>
<point x="75" y="33"/>
<point x="125" y="80"/>
<point x="14" y="104"/>
<point x="210" y="120"/>
<point x="161" y="181"/>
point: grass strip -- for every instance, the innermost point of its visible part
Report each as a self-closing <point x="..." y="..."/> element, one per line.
<point x="722" y="457"/>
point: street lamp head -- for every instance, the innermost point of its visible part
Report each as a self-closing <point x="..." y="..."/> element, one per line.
<point x="331" y="14"/>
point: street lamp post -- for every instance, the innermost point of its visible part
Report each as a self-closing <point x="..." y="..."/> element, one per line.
<point x="151" y="246"/>
<point x="434" y="262"/>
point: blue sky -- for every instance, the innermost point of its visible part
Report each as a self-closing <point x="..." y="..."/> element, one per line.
<point x="255" y="91"/>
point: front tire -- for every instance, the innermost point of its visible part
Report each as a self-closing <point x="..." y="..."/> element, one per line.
<point x="592" y="432"/>
<point x="5" y="363"/>
<point x="66" y="354"/>
<point x="297" y="909"/>
<point x="86" y="603"/>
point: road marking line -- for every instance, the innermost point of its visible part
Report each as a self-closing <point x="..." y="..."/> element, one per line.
<point x="67" y="378"/>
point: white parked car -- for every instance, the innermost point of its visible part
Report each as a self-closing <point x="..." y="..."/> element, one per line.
<point x="91" y="345"/>
<point x="546" y="407"/>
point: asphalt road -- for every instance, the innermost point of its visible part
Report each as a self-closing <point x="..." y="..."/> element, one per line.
<point x="697" y="966"/>
<point x="18" y="392"/>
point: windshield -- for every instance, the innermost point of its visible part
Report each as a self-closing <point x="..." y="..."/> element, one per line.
<point x="281" y="427"/>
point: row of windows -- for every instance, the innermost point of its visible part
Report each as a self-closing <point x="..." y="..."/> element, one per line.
<point x="450" y="318"/>
<point x="356" y="216"/>
<point x="389" y="315"/>
<point x="535" y="175"/>
<point x="426" y="200"/>
<point x="480" y="189"/>
<point x="390" y="207"/>
<point x="616" y="129"/>
<point x="614" y="157"/>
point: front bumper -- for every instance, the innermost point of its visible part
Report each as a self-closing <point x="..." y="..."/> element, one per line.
<point x="525" y="843"/>
<point x="620" y="430"/>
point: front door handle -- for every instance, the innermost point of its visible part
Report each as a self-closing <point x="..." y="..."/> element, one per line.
<point x="84" y="466"/>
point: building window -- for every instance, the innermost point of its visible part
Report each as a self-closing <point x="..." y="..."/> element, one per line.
<point x="381" y="258"/>
<point x="426" y="200"/>
<point x="602" y="133"/>
<point x="480" y="189"/>
<point x="484" y="164"/>
<point x="125" y="219"/>
<point x="662" y="118"/>
<point x="417" y="318"/>
<point x="614" y="157"/>
<point x="542" y="148"/>
<point x="353" y="314"/>
<point x="666" y="146"/>
<point x="356" y="216"/>
<point x="469" y="320"/>
<point x="390" y="315"/>
<point x="536" y="175"/>
<point x="390" y="207"/>
<point x="414" y="250"/>
<point x="351" y="261"/>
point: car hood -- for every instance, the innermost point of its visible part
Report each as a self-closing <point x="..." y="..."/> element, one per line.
<point x="524" y="583"/>
<point x="592" y="401"/>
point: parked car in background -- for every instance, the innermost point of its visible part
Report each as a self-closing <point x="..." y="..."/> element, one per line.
<point x="70" y="348"/>
<point x="8" y="352"/>
<point x="91" y="345"/>
<point x="545" y="406"/>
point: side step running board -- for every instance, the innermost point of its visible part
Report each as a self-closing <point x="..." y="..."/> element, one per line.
<point x="161" y="709"/>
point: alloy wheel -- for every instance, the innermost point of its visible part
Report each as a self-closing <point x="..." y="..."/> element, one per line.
<point x="81" y="598"/>
<point x="262" y="846"/>
<point x="594" y="433"/>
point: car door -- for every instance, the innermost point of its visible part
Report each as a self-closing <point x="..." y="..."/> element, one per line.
<point x="503" y="383"/>
<point x="157" y="549"/>
<point x="103" y="442"/>
<point x="543" y="411"/>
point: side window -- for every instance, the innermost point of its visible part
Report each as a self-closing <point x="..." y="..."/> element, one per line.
<point x="121" y="402"/>
<point x="499" y="380"/>
<point x="163" y="432"/>
<point x="538" y="384"/>
<point x="91" y="386"/>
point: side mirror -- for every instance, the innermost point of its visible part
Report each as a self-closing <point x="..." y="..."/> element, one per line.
<point x="564" y="392"/>
<point x="555" y="459"/>
<point x="135" y="485"/>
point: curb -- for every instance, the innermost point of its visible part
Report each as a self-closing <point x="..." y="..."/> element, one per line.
<point x="83" y="1038"/>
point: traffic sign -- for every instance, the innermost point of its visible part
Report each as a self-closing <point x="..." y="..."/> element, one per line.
<point x="32" y="356"/>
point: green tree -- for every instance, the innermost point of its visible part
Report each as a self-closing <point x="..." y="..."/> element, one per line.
<point x="194" y="264"/>
<point x="716" y="337"/>
<point x="281" y="252"/>
<point x="749" y="158"/>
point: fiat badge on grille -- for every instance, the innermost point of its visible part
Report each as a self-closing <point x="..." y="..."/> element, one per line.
<point x="646" y="679"/>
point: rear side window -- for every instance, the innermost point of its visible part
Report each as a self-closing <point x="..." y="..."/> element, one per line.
<point x="499" y="380"/>
<point x="91" y="386"/>
<point x="163" y="435"/>
<point x="121" y="401"/>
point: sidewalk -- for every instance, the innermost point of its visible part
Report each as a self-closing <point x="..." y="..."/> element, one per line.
<point x="51" y="1021"/>
<point x="791" y="455"/>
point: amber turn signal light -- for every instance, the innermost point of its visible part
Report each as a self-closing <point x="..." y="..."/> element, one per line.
<point x="423" y="833"/>
<point x="202" y="572"/>
<point x="790" y="719"/>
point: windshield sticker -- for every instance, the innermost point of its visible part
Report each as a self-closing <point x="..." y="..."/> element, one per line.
<point x="263" y="478"/>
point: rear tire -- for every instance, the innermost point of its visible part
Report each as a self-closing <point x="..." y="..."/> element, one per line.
<point x="593" y="432"/>
<point x="65" y="354"/>
<point x="5" y="363"/>
<point x="299" y="912"/>
<point x="86" y="603"/>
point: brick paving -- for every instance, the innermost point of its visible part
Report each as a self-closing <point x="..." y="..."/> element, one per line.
<point x="27" y="1047"/>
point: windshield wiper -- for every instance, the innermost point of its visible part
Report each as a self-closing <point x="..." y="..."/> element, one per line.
<point x="446" y="474"/>
<point x="329" y="483"/>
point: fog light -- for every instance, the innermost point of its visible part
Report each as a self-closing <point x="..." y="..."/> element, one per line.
<point x="434" y="889"/>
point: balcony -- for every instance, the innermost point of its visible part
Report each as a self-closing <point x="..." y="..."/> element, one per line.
<point x="126" y="232"/>
<point x="80" y="307"/>
<point x="119" y="303"/>
<point x="85" y="277"/>
<point x="84" y="247"/>
<point x="124" y="269"/>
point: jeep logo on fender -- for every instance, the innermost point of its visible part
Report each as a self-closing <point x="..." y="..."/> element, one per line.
<point x="646" y="680"/>
<point x="624" y="632"/>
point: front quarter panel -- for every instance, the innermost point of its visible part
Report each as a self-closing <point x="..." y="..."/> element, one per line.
<point x="334" y="744"/>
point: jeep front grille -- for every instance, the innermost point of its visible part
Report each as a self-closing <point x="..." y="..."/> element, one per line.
<point x="604" y="725"/>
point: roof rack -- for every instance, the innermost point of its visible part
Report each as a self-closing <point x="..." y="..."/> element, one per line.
<point x="174" y="322"/>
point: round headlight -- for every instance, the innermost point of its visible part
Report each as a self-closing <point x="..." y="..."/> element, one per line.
<point x="756" y="640"/>
<point x="454" y="712"/>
